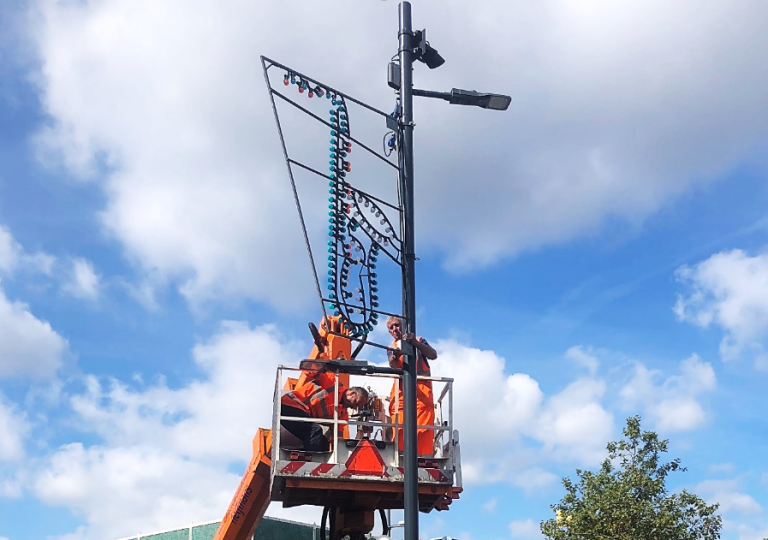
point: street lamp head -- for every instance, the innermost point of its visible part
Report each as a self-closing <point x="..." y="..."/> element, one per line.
<point x="496" y="102"/>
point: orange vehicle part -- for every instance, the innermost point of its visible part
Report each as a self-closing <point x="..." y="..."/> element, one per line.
<point x="336" y="347"/>
<point x="252" y="496"/>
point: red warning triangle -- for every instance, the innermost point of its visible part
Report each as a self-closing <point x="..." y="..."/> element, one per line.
<point x="366" y="460"/>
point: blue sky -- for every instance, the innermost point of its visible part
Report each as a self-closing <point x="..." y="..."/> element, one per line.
<point x="598" y="251"/>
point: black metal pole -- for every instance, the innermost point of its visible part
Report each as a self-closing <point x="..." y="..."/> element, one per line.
<point x="411" y="483"/>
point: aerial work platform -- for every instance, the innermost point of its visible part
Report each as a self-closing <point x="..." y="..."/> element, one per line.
<point x="361" y="474"/>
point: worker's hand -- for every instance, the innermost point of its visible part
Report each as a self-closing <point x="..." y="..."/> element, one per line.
<point x="410" y="338"/>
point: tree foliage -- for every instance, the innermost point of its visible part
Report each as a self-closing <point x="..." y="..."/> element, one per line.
<point x="627" y="499"/>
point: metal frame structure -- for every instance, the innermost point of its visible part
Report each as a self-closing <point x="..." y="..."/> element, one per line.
<point x="359" y="231"/>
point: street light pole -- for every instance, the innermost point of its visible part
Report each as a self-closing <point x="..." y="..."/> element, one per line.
<point x="411" y="458"/>
<point x="414" y="46"/>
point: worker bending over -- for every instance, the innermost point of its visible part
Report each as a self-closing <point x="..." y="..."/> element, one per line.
<point x="315" y="399"/>
<point x="425" y="404"/>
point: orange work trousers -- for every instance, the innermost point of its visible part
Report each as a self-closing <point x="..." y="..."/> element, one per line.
<point x="425" y="416"/>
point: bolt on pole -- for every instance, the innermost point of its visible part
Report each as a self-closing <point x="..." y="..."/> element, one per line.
<point x="411" y="481"/>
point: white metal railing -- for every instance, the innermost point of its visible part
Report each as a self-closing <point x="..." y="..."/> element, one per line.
<point x="440" y="427"/>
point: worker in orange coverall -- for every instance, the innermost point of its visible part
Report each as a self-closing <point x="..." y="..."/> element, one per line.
<point x="425" y="403"/>
<point x="316" y="399"/>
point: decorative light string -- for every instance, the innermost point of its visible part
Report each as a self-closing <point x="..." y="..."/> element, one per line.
<point x="352" y="280"/>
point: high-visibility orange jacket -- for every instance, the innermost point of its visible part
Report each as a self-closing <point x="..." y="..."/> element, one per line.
<point x="316" y="396"/>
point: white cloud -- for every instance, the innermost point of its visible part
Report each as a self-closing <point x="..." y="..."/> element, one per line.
<point x="746" y="532"/>
<point x="28" y="346"/>
<point x="122" y="491"/>
<point x="13" y="256"/>
<point x="730" y="290"/>
<point x="618" y="109"/>
<point x="9" y="251"/>
<point x="534" y="480"/>
<point x="671" y="403"/>
<point x="727" y="494"/>
<point x="583" y="357"/>
<point x="525" y="529"/>
<point x="165" y="453"/>
<point x="497" y="413"/>
<point x="490" y="505"/>
<point x="83" y="280"/>
<point x="13" y="430"/>
<point x="213" y="418"/>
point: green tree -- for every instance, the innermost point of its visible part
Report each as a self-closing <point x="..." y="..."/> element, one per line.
<point x="628" y="498"/>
